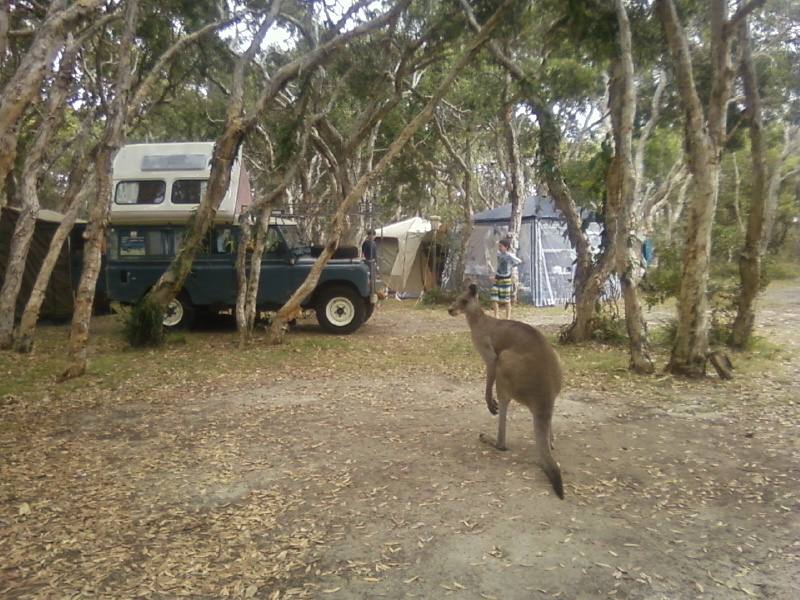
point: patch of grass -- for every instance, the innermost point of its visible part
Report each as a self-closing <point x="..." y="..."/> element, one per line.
<point x="595" y="357"/>
<point x="780" y="268"/>
<point x="439" y="296"/>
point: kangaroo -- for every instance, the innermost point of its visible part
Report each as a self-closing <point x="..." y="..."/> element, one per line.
<point x="524" y="366"/>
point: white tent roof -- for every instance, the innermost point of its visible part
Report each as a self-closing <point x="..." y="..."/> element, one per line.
<point x="414" y="225"/>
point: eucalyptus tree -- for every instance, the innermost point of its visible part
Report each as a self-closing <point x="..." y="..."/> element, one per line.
<point x="763" y="185"/>
<point x="750" y="256"/>
<point x="28" y="195"/>
<point x="108" y="144"/>
<point x="705" y="137"/>
<point x="21" y="87"/>
<point x="621" y="187"/>
<point x="425" y="114"/>
<point x="592" y="22"/>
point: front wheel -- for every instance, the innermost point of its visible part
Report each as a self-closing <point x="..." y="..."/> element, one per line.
<point x="340" y="310"/>
<point x="180" y="313"/>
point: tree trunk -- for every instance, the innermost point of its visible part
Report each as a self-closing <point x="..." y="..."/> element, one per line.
<point x="791" y="143"/>
<point x="225" y="153"/>
<point x="465" y="165"/>
<point x="750" y="258"/>
<point x="17" y="258"/>
<point x="705" y="138"/>
<point x="516" y="182"/>
<point x="241" y="280"/>
<point x="516" y="179"/>
<point x="112" y="138"/>
<point x="34" y="164"/>
<point x="622" y="104"/>
<point x="80" y="187"/>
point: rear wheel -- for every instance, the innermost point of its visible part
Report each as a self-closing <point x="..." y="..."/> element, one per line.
<point x="180" y="313"/>
<point x="340" y="309"/>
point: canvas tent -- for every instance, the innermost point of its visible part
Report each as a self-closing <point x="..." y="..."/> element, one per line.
<point x="545" y="277"/>
<point x="58" y="302"/>
<point x="406" y="256"/>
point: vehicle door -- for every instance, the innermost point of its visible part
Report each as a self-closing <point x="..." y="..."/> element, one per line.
<point x="212" y="280"/>
<point x="277" y="265"/>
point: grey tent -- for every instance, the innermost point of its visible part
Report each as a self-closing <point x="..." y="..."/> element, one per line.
<point x="58" y="302"/>
<point x="545" y="277"/>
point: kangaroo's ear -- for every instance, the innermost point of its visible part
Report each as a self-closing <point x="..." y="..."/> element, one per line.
<point x="467" y="283"/>
<point x="473" y="289"/>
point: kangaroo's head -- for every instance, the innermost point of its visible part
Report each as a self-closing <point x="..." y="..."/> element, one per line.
<point x="467" y="299"/>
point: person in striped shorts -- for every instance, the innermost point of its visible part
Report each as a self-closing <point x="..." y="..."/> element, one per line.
<point x="503" y="283"/>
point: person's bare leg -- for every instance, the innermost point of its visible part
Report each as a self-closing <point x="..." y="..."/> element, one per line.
<point x="494" y="308"/>
<point x="508" y="311"/>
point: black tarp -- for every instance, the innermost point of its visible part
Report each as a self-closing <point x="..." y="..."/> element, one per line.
<point x="58" y="302"/>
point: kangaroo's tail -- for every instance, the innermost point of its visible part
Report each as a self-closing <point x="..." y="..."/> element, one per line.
<point x="541" y="427"/>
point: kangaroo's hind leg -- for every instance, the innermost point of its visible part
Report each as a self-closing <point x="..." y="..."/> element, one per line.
<point x="503" y="400"/>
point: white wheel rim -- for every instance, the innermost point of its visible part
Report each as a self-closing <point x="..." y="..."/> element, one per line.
<point x="174" y="314"/>
<point x="340" y="311"/>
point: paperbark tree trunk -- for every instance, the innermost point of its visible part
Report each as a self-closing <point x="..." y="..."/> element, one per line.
<point x="79" y="188"/>
<point x="516" y="181"/>
<point x="704" y="139"/>
<point x="750" y="257"/>
<point x="34" y="164"/>
<point x="622" y="104"/>
<point x="465" y="166"/>
<point x="791" y="144"/>
<point x="30" y="316"/>
<point x="111" y="139"/>
<point x="515" y="175"/>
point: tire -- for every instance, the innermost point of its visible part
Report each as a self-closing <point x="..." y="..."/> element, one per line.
<point x="180" y="313"/>
<point x="340" y="309"/>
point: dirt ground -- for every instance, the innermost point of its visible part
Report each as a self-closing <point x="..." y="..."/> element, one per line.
<point x="307" y="484"/>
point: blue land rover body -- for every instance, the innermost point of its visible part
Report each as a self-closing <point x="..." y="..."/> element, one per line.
<point x="157" y="187"/>
<point x="138" y="255"/>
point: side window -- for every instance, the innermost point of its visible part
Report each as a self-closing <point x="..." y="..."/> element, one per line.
<point x="140" y="192"/>
<point x="133" y="243"/>
<point x="225" y="242"/>
<point x="272" y="243"/>
<point x="219" y="240"/>
<point x="188" y="191"/>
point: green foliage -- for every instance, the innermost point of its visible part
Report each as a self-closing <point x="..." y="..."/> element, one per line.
<point x="572" y="79"/>
<point x="663" y="281"/>
<point x="587" y="174"/>
<point x="439" y="296"/>
<point x="142" y="326"/>
<point x="608" y="326"/>
<point x="778" y="268"/>
<point x="723" y="298"/>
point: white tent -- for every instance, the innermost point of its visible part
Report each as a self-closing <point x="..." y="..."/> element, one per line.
<point x="405" y="267"/>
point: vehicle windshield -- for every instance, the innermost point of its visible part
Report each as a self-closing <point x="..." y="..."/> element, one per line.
<point x="293" y="237"/>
